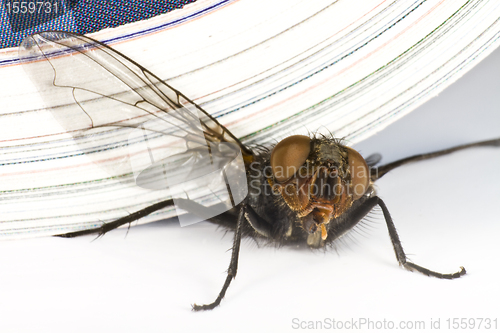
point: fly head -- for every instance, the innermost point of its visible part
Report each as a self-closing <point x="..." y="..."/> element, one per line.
<point x="319" y="179"/>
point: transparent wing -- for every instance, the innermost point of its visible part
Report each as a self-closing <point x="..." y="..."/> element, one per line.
<point x="127" y="120"/>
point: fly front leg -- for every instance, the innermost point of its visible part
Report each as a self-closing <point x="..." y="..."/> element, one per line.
<point x="398" y="249"/>
<point x="233" y="265"/>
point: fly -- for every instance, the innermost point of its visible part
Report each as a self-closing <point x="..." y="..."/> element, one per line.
<point x="304" y="191"/>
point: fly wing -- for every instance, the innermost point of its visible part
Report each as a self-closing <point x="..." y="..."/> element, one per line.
<point x="124" y="117"/>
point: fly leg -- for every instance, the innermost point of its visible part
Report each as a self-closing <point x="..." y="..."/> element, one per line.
<point x="233" y="264"/>
<point x="382" y="170"/>
<point x="106" y="227"/>
<point x="398" y="249"/>
<point x="358" y="211"/>
<point x="223" y="219"/>
<point x="185" y="204"/>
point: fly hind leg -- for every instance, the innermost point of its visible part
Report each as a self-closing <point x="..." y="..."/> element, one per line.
<point x="382" y="170"/>
<point x="106" y="227"/>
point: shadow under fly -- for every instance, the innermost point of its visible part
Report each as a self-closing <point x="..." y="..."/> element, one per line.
<point x="305" y="190"/>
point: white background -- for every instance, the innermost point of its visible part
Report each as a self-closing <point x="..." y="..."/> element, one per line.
<point x="446" y="212"/>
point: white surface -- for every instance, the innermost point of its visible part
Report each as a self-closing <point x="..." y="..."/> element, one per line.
<point x="446" y="212"/>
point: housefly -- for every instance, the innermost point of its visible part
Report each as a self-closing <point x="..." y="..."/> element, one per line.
<point x="304" y="191"/>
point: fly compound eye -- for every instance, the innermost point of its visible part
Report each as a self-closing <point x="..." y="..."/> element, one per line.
<point x="289" y="155"/>
<point x="359" y="173"/>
